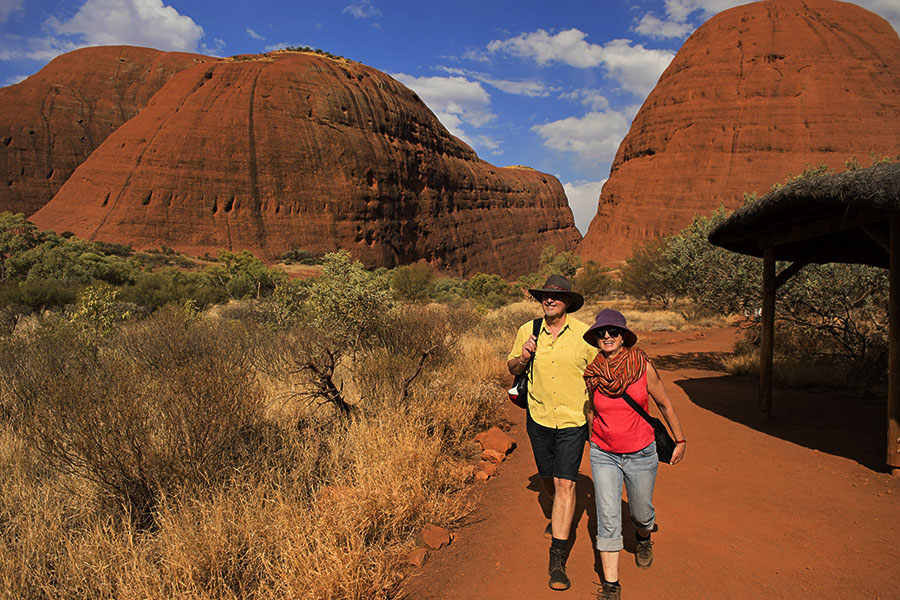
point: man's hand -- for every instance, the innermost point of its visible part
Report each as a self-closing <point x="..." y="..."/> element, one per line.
<point x="528" y="349"/>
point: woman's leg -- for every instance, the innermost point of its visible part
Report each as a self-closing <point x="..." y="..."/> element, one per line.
<point x="639" y="472"/>
<point x="640" y="477"/>
<point x="607" y="473"/>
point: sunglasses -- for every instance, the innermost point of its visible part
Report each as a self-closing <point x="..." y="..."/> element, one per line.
<point x="553" y="297"/>
<point x="613" y="332"/>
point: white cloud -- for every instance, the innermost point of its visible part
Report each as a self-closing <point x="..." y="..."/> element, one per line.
<point x="583" y="199"/>
<point x="652" y="26"/>
<point x="254" y="35"/>
<point x="683" y="16"/>
<point x="594" y="137"/>
<point x="635" y="67"/>
<point x="137" y="22"/>
<point x="363" y="9"/>
<point x="487" y="143"/>
<point x="455" y="100"/>
<point x="528" y="87"/>
<point x="42" y="49"/>
<point x="7" y="7"/>
<point x="14" y="80"/>
<point x="217" y="48"/>
<point x="678" y="21"/>
<point x="568" y="47"/>
<point x="282" y="46"/>
<point x="457" y="103"/>
<point x="592" y="98"/>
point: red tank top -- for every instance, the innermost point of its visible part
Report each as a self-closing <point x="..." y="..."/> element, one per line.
<point x="618" y="427"/>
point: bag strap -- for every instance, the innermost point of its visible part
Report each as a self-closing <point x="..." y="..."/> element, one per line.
<point x="637" y="408"/>
<point x="535" y="331"/>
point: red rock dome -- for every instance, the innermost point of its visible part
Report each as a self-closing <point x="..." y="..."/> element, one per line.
<point x="294" y="150"/>
<point x="754" y="95"/>
<point x="53" y="120"/>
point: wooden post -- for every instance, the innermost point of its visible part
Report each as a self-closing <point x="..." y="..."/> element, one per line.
<point x="767" y="338"/>
<point x="893" y="400"/>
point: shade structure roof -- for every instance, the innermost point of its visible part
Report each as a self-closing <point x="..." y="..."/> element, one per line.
<point x="829" y="218"/>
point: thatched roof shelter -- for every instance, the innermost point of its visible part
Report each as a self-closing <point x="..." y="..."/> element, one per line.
<point x="839" y="218"/>
<point x="851" y="217"/>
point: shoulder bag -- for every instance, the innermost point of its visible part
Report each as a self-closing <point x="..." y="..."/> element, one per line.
<point x="518" y="394"/>
<point x="665" y="445"/>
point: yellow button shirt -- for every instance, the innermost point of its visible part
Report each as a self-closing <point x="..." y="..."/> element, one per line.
<point x="557" y="396"/>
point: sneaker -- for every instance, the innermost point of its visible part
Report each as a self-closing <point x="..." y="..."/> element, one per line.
<point x="609" y="591"/>
<point x="548" y="531"/>
<point x="644" y="555"/>
<point x="557" y="570"/>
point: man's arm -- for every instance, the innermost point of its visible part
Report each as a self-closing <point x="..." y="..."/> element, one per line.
<point x="517" y="364"/>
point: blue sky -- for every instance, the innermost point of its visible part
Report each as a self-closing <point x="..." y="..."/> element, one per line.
<point x="528" y="82"/>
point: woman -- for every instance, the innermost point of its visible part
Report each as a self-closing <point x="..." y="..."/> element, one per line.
<point x="622" y="442"/>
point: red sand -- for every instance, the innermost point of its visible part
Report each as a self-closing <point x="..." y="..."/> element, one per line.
<point x="800" y="507"/>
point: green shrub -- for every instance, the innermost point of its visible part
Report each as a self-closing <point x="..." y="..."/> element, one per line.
<point x="303" y="257"/>
<point x="37" y="295"/>
<point x="414" y="283"/>
<point x="642" y="274"/>
<point x="562" y="263"/>
<point x="243" y="275"/>
<point x="449" y="289"/>
<point x="593" y="280"/>
<point x="154" y="289"/>
<point x="489" y="291"/>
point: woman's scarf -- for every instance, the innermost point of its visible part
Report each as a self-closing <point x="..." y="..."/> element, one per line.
<point x="612" y="376"/>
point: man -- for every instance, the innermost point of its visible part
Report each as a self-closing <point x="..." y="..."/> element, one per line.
<point x="557" y="406"/>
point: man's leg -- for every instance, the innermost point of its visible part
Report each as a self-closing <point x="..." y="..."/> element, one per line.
<point x="567" y="452"/>
<point x="549" y="489"/>
<point x="563" y="508"/>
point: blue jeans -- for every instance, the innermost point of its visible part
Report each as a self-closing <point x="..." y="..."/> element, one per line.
<point x="638" y="472"/>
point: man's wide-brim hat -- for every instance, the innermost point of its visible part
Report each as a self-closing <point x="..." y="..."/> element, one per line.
<point x="557" y="284"/>
<point x="610" y="318"/>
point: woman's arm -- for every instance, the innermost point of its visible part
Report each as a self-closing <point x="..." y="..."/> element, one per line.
<point x="659" y="395"/>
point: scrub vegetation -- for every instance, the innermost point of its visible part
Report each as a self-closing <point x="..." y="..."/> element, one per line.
<point x="175" y="427"/>
<point x="289" y="446"/>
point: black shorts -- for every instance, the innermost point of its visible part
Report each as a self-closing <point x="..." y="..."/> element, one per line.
<point x="557" y="452"/>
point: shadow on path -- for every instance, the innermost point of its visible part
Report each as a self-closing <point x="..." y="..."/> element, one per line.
<point x="839" y="423"/>
<point x="585" y="507"/>
<point x="584" y="500"/>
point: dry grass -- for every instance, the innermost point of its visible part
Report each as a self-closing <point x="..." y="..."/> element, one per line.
<point x="642" y="318"/>
<point x="793" y="371"/>
<point x="311" y="507"/>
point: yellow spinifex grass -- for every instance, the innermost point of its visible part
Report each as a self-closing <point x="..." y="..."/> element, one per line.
<point x="316" y="508"/>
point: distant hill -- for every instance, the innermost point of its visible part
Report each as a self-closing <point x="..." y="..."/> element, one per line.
<point x="52" y="121"/>
<point x="291" y="150"/>
<point x="754" y="95"/>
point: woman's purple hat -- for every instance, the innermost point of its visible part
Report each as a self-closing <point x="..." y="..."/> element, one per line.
<point x="610" y="318"/>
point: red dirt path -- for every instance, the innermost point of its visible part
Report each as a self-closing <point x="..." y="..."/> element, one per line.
<point x="799" y="507"/>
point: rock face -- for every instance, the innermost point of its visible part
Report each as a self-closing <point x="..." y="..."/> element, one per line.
<point x="754" y="95"/>
<point x="294" y="150"/>
<point x="52" y="121"/>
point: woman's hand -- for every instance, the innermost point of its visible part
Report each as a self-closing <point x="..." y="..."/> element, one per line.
<point x="678" y="453"/>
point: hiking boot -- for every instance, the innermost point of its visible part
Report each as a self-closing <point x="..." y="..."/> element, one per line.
<point x="557" y="570"/>
<point x="644" y="555"/>
<point x="609" y="591"/>
<point x="548" y="531"/>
